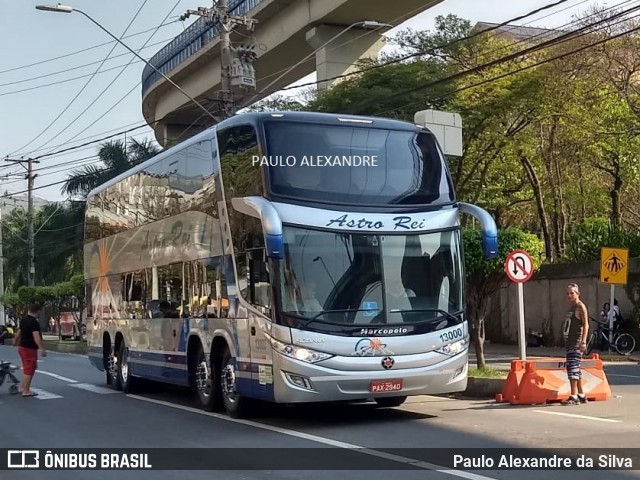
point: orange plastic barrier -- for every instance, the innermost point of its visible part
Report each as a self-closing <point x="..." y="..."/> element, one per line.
<point x="544" y="380"/>
<point x="513" y="380"/>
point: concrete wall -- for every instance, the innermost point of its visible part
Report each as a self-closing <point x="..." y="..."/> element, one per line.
<point x="546" y="303"/>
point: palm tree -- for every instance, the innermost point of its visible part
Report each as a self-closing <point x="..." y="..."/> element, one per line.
<point x="115" y="158"/>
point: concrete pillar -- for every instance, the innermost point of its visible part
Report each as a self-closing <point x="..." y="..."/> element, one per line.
<point x="169" y="134"/>
<point x="339" y="55"/>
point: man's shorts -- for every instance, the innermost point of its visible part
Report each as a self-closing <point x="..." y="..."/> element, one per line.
<point x="29" y="358"/>
<point x="574" y="357"/>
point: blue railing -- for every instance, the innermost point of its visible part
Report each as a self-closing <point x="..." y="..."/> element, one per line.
<point x="196" y="36"/>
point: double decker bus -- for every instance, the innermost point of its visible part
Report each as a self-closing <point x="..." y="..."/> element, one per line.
<point x="286" y="257"/>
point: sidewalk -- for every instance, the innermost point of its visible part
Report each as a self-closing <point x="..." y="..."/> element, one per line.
<point x="500" y="356"/>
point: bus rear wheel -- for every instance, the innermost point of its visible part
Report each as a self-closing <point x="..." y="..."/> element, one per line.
<point x="235" y="404"/>
<point x="113" y="378"/>
<point x="390" y="401"/>
<point x="207" y="383"/>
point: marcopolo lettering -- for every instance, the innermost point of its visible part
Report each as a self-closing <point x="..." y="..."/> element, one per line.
<point x="384" y="331"/>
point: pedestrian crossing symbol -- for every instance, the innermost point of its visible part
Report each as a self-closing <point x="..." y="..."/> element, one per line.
<point x="614" y="265"/>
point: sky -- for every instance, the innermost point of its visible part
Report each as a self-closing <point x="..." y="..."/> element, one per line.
<point x="51" y="97"/>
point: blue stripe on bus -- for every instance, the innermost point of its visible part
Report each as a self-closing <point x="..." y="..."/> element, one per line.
<point x="168" y="357"/>
<point x="160" y="374"/>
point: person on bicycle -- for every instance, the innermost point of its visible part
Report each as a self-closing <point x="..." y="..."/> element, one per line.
<point x="576" y="330"/>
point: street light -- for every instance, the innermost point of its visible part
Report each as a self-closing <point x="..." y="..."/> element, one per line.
<point x="67" y="9"/>
<point x="367" y="25"/>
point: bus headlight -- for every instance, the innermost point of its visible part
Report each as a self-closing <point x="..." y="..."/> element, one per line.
<point x="454" y="348"/>
<point x="299" y="353"/>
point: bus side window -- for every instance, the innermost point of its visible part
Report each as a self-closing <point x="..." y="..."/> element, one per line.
<point x="253" y="278"/>
<point x="259" y="283"/>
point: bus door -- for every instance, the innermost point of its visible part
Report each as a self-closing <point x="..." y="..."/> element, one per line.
<point x="259" y="296"/>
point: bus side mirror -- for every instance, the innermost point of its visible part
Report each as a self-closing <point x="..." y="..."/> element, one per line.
<point x="489" y="228"/>
<point x="261" y="208"/>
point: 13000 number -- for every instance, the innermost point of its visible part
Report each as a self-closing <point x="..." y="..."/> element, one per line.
<point x="451" y="335"/>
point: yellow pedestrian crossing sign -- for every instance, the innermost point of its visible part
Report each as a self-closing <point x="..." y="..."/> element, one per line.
<point x="614" y="265"/>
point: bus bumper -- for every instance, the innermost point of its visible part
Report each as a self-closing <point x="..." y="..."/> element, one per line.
<point x="299" y="382"/>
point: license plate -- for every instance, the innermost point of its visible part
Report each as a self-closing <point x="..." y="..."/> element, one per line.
<point x="381" y="386"/>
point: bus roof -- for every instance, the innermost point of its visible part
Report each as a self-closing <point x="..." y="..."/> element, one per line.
<point x="256" y="118"/>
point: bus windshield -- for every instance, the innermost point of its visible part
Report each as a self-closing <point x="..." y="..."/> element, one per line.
<point x="369" y="166"/>
<point x="354" y="279"/>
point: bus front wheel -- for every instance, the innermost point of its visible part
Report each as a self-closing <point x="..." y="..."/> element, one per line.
<point x="390" y="401"/>
<point x="235" y="404"/>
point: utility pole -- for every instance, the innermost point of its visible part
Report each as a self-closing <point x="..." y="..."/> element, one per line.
<point x="3" y="321"/>
<point x="236" y="64"/>
<point x="30" y="237"/>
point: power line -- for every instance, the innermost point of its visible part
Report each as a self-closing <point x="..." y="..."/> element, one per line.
<point x="13" y="69"/>
<point x="109" y="86"/>
<point x="84" y="87"/>
<point x="527" y="67"/>
<point x="552" y="42"/>
<point x="66" y="70"/>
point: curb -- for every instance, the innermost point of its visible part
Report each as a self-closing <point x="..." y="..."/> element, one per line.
<point x="78" y="348"/>
<point x="478" y="387"/>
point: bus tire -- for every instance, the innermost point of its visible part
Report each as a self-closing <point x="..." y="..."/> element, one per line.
<point x="127" y="382"/>
<point x="386" y="402"/>
<point x="205" y="379"/>
<point x="236" y="405"/>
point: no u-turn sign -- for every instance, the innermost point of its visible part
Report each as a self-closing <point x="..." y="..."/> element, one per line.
<point x="519" y="266"/>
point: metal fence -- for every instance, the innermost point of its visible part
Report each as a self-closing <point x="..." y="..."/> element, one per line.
<point x="196" y="36"/>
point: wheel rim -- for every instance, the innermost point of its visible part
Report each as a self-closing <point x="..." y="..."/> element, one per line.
<point x="124" y="364"/>
<point x="112" y="366"/>
<point x="228" y="382"/>
<point x="625" y="344"/>
<point x="203" y="379"/>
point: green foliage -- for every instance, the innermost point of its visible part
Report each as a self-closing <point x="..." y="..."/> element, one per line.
<point x="508" y="240"/>
<point x="585" y="242"/>
<point x="484" y="277"/>
<point x="487" y="372"/>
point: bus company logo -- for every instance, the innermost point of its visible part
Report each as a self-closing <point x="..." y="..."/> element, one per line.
<point x="371" y="347"/>
<point x="384" y="331"/>
<point x="23" y="459"/>
<point x="400" y="223"/>
<point x="387" y="363"/>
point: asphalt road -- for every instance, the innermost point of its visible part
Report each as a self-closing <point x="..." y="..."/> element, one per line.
<point x="76" y="410"/>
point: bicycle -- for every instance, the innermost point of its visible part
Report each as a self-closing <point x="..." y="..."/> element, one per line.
<point x="624" y="343"/>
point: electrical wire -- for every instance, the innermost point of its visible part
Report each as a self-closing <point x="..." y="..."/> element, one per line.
<point x="109" y="86"/>
<point x="46" y="129"/>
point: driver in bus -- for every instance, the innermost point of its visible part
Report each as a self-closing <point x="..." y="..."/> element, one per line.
<point x="307" y="301"/>
<point x="398" y="296"/>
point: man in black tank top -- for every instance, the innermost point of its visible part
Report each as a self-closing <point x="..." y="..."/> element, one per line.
<point x="576" y="329"/>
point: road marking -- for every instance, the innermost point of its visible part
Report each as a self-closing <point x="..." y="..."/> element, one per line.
<point x="323" y="440"/>
<point x="573" y="415"/>
<point x="44" y="395"/>
<point x="93" y="388"/>
<point x="621" y="375"/>
<point x="59" y="377"/>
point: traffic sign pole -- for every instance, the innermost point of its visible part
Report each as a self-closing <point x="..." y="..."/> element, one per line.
<point x="611" y="315"/>
<point x="521" y="338"/>
<point x="519" y="269"/>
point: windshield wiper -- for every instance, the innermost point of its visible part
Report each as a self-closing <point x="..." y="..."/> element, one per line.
<point x="344" y="310"/>
<point x="444" y="313"/>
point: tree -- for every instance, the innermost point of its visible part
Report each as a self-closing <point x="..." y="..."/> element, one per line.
<point x="485" y="277"/>
<point x="116" y="159"/>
